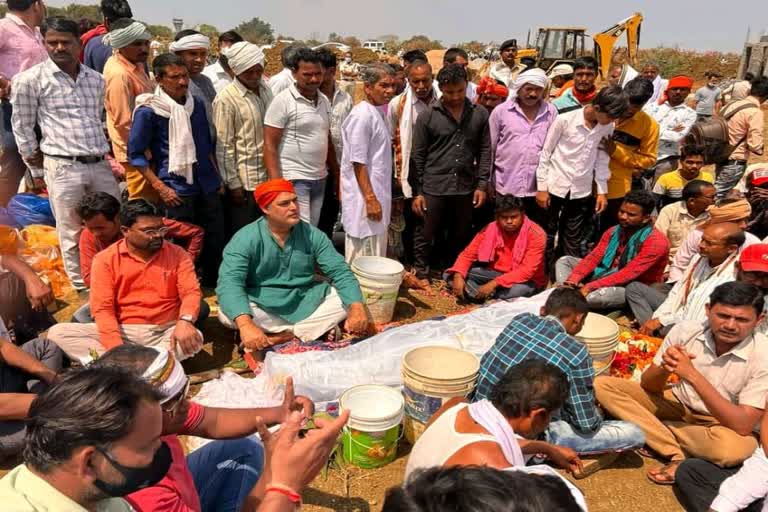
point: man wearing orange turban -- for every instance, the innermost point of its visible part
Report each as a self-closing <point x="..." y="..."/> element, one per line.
<point x="491" y="93"/>
<point x="675" y="120"/>
<point x="267" y="288"/>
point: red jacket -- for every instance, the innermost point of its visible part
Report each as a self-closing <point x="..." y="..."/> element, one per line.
<point x="647" y="266"/>
<point x="99" y="30"/>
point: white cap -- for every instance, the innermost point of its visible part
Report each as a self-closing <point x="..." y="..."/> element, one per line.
<point x="561" y="70"/>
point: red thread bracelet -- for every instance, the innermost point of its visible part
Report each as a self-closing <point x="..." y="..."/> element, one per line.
<point x="292" y="496"/>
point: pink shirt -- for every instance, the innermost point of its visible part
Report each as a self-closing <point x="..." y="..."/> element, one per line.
<point x="20" y="46"/>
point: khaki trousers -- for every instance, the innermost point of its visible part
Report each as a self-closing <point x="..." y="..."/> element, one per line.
<point x="671" y="429"/>
<point x="138" y="186"/>
<point x="81" y="341"/>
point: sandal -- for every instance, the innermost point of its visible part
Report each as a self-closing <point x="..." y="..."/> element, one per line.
<point x="662" y="475"/>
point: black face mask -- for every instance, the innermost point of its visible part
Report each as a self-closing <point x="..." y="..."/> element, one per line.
<point x="136" y="478"/>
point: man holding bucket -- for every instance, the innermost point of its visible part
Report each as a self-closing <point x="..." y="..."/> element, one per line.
<point x="267" y="288"/>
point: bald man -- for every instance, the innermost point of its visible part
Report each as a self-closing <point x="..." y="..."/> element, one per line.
<point x="716" y="264"/>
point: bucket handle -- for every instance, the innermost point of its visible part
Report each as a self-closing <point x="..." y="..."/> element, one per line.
<point x="373" y="297"/>
<point x="346" y="430"/>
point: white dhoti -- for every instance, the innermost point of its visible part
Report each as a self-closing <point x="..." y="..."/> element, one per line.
<point x="328" y="314"/>
<point x="375" y="245"/>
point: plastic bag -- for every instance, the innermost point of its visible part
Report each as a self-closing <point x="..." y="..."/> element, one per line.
<point x="31" y="209"/>
<point x="42" y="253"/>
<point x="6" y="219"/>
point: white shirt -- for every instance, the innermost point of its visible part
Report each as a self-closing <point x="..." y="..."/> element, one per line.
<point x="281" y="81"/>
<point x="419" y="107"/>
<point x="670" y="118"/>
<point x="571" y="159"/>
<point x="218" y="76"/>
<point x="366" y="140"/>
<point x="740" y="375"/>
<point x="341" y="106"/>
<point x="690" y="295"/>
<point x="471" y="91"/>
<point x="748" y="485"/>
<point x="306" y="125"/>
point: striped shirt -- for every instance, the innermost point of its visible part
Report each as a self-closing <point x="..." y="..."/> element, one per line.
<point x="239" y="118"/>
<point x="532" y="337"/>
<point x="690" y="295"/>
<point x="69" y="112"/>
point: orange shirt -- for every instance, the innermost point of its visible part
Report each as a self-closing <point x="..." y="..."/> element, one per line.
<point x="128" y="290"/>
<point x="124" y="81"/>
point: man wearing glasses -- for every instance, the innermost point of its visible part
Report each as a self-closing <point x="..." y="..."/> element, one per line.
<point x="143" y="291"/>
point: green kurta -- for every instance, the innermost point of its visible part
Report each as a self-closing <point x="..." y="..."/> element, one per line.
<point x="281" y="281"/>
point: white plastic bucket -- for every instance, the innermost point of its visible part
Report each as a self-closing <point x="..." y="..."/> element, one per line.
<point x="370" y="438"/>
<point x="432" y="376"/>
<point x="380" y="280"/>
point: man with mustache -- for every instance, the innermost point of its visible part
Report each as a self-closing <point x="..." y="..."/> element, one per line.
<point x="143" y="291"/>
<point x="65" y="100"/>
<point x="713" y="408"/>
<point x="126" y="78"/>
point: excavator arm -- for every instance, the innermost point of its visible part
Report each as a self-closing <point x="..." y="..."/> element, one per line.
<point x="606" y="40"/>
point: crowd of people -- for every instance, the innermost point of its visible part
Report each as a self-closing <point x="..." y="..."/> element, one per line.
<point x="179" y="174"/>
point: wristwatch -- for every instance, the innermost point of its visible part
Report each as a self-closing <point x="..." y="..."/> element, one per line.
<point x="187" y="318"/>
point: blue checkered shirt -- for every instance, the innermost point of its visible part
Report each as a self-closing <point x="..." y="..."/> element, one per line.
<point x="531" y="336"/>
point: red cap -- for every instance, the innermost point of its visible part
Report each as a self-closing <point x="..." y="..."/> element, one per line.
<point x="754" y="258"/>
<point x="760" y="176"/>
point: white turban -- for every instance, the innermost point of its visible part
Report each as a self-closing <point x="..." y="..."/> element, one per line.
<point x="243" y="56"/>
<point x="122" y="37"/>
<point x="166" y="374"/>
<point x="561" y="70"/>
<point x="533" y="76"/>
<point x="190" y="42"/>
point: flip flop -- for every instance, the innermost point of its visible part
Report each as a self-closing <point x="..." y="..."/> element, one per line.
<point x="663" y="477"/>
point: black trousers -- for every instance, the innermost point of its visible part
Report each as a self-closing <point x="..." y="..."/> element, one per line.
<point x="206" y="211"/>
<point x="535" y="212"/>
<point x="329" y="213"/>
<point x="240" y="215"/>
<point x="697" y="483"/>
<point x="570" y="221"/>
<point x="610" y="216"/>
<point x="454" y="212"/>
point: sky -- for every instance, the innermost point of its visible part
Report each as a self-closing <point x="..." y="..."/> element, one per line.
<point x="702" y="25"/>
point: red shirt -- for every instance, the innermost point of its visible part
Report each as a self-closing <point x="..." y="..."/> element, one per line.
<point x="647" y="266"/>
<point x="176" y="492"/>
<point x="531" y="269"/>
<point x="187" y="235"/>
<point x="128" y="290"/>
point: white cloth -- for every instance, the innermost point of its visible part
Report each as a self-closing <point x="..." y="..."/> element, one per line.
<point x="487" y="416"/>
<point x="328" y="314"/>
<point x="281" y="81"/>
<point x="670" y="118"/>
<point x="471" y="92"/>
<point x="560" y="70"/>
<point x="215" y="72"/>
<point x="243" y="56"/>
<point x="182" y="153"/>
<point x="306" y="125"/>
<point x="166" y="374"/>
<point x="190" y="42"/>
<point x="367" y="141"/>
<point x="341" y="105"/>
<point x="700" y="280"/>
<point x="571" y="159"/>
<point x="748" y="485"/>
<point x="544" y="470"/>
<point x="659" y="87"/>
<point x="122" y="37"/>
<point x="441" y="441"/>
<point x="533" y="76"/>
<point x="375" y="245"/>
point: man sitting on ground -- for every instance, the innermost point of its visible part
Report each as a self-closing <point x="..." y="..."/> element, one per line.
<point x="505" y="260"/>
<point x="498" y="432"/>
<point x="677" y="220"/>
<point x="267" y="287"/>
<point x="731" y="209"/>
<point x="687" y="299"/>
<point x="631" y="251"/>
<point x="144" y="291"/>
<point x="24" y="372"/>
<point x="101" y="218"/>
<point x="549" y="337"/>
<point x="25" y="299"/>
<point x="710" y="413"/>
<point x="669" y="187"/>
<point x="206" y="480"/>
